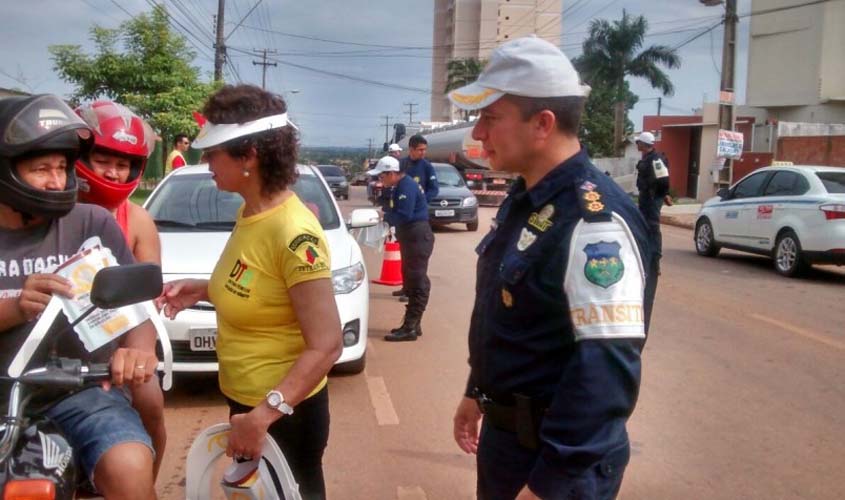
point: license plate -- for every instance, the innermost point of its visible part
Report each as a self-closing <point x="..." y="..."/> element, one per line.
<point x="499" y="181"/>
<point x="444" y="213"/>
<point x="203" y="339"/>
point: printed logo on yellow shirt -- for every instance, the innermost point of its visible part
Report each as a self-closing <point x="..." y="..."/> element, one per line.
<point x="311" y="258"/>
<point x="239" y="279"/>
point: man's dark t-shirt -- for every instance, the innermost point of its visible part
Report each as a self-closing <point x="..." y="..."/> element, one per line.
<point x="38" y="249"/>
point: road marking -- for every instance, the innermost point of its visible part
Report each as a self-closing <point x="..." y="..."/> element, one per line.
<point x="380" y="398"/>
<point x="800" y="331"/>
<point x="410" y="493"/>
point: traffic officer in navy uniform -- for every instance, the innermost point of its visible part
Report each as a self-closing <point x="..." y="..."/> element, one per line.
<point x="562" y="293"/>
<point x="653" y="187"/>
<point x="408" y="212"/>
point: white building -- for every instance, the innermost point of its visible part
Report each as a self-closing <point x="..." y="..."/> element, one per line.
<point x="473" y="28"/>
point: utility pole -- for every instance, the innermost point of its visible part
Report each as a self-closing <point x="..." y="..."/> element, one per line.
<point x="659" y="105"/>
<point x="220" y="45"/>
<point x="726" y="94"/>
<point x="386" y="128"/>
<point x="411" y="111"/>
<point x="369" y="148"/>
<point x="263" y="63"/>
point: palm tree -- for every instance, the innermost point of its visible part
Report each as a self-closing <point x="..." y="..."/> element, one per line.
<point x="460" y="72"/>
<point x="612" y="52"/>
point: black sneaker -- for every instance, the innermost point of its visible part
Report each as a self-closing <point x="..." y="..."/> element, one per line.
<point x="398" y="293"/>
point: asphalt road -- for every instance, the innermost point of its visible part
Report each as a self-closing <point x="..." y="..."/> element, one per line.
<point x="742" y="393"/>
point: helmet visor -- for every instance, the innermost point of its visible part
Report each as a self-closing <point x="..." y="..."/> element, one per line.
<point x="41" y="117"/>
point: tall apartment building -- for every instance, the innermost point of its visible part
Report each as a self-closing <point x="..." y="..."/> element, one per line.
<point x="473" y="28"/>
<point x="796" y="65"/>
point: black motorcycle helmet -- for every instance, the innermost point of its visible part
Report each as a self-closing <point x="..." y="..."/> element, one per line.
<point x="31" y="126"/>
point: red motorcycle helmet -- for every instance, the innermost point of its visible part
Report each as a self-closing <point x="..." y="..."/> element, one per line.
<point x="118" y="131"/>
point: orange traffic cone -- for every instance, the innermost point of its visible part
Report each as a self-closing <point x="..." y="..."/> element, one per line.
<point x="391" y="266"/>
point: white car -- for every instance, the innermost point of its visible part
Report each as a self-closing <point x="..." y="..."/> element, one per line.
<point x="194" y="220"/>
<point x="795" y="214"/>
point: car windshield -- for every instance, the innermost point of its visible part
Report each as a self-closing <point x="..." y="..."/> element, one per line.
<point x="834" y="182"/>
<point x="330" y="171"/>
<point x="193" y="202"/>
<point x="448" y="177"/>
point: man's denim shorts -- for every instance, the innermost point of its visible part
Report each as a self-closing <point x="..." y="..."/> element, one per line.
<point x="94" y="420"/>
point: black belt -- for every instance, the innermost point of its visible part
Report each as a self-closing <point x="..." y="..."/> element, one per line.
<point x="522" y="418"/>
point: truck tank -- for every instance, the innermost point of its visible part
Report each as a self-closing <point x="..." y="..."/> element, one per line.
<point x="455" y="145"/>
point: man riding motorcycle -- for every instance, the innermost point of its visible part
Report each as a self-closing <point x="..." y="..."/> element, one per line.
<point x="41" y="226"/>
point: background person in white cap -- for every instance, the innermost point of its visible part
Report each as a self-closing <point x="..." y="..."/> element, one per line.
<point x="395" y="151"/>
<point x="407" y="211"/>
<point x="653" y="187"/>
<point x="563" y="293"/>
<point x="278" y="326"/>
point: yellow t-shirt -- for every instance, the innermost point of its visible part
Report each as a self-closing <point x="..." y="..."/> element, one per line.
<point x="258" y="334"/>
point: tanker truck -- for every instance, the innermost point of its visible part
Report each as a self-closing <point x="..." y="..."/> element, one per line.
<point x="454" y="144"/>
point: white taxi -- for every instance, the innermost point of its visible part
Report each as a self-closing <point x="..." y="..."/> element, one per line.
<point x="194" y="220"/>
<point x="795" y="214"/>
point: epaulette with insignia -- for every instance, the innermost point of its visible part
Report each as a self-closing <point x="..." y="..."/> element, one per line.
<point x="593" y="207"/>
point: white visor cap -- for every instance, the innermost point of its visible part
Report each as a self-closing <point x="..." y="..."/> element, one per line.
<point x="393" y="148"/>
<point x="215" y="134"/>
<point x="646" y="138"/>
<point x="528" y="67"/>
<point x="385" y="164"/>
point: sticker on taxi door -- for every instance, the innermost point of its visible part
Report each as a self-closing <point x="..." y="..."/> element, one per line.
<point x="765" y="211"/>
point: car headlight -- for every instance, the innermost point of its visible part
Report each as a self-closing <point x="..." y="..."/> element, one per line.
<point x="343" y="184"/>
<point x="348" y="279"/>
<point x="469" y="202"/>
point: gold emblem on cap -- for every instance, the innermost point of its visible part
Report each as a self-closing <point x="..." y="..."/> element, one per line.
<point x="472" y="99"/>
<point x="507" y="298"/>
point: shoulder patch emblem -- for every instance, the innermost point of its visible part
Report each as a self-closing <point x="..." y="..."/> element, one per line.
<point x="604" y="266"/>
<point x="588" y="186"/>
<point x="595" y="206"/>
<point x="541" y="220"/>
<point x="302" y="238"/>
<point x="526" y="239"/>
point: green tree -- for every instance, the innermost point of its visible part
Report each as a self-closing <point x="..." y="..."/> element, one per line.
<point x="142" y="64"/>
<point x="460" y="72"/>
<point x="612" y="52"/>
<point x="597" y="121"/>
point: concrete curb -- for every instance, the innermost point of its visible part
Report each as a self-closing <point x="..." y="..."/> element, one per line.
<point x="670" y="220"/>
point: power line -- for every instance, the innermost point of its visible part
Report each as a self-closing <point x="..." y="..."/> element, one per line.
<point x="346" y="77"/>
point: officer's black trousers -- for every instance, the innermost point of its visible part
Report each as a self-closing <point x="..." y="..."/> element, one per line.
<point x="504" y="467"/>
<point x="416" y="242"/>
<point x="650" y="208"/>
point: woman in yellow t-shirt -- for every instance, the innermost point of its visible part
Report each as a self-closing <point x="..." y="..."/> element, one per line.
<point x="278" y="328"/>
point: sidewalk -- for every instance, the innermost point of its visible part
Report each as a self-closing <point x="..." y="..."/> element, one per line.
<point x="680" y="215"/>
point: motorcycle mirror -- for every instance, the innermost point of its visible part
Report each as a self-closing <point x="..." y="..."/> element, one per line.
<point x="119" y="286"/>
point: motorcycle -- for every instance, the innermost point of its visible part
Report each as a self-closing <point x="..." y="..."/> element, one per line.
<point x="36" y="461"/>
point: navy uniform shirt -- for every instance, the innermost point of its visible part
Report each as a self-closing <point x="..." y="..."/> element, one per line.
<point x="648" y="184"/>
<point x="407" y="203"/>
<point x="423" y="173"/>
<point x="560" y="315"/>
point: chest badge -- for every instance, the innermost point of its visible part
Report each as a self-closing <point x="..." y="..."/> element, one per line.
<point x="541" y="220"/>
<point x="526" y="239"/>
<point x="604" y="266"/>
<point x="507" y="298"/>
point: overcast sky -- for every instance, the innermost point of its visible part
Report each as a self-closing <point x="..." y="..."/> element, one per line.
<point x="335" y="111"/>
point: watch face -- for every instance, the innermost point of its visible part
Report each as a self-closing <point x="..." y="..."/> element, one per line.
<point x="274" y="399"/>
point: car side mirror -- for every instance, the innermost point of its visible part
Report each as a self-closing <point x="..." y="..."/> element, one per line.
<point x="363" y="217"/>
<point x="724" y="193"/>
<point x="119" y="286"/>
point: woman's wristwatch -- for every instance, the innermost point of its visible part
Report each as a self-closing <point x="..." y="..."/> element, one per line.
<point x="276" y="400"/>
